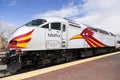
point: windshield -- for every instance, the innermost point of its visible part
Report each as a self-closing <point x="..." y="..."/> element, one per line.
<point x="36" y="22"/>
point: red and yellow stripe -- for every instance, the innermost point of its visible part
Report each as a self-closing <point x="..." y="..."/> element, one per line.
<point x="22" y="40"/>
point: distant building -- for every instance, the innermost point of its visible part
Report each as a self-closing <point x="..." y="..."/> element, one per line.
<point x="2" y="43"/>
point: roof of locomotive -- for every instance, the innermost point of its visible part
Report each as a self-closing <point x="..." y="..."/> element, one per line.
<point x="73" y="23"/>
<point x="55" y="19"/>
<point x="100" y="30"/>
<point x="61" y="19"/>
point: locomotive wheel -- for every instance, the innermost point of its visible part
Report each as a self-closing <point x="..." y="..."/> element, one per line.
<point x="60" y="57"/>
<point x="69" y="56"/>
<point x="82" y="54"/>
<point x="85" y="53"/>
<point x="37" y="62"/>
<point x="48" y="60"/>
<point x="45" y="63"/>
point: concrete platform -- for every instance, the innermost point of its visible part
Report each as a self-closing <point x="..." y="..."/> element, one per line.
<point x="105" y="67"/>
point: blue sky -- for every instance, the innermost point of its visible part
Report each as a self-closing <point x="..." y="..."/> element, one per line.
<point x="102" y="14"/>
<point x="18" y="12"/>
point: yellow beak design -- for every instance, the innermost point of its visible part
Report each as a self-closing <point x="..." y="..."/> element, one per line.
<point x="76" y="37"/>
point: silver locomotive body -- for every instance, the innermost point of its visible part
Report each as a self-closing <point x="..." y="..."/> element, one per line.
<point x="54" y="40"/>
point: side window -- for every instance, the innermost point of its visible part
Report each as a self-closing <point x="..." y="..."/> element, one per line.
<point x="118" y="42"/>
<point x="45" y="26"/>
<point x="94" y="29"/>
<point x="56" y="26"/>
<point x="64" y="28"/>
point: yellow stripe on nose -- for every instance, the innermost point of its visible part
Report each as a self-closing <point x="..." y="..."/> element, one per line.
<point x="24" y="38"/>
<point x="23" y="45"/>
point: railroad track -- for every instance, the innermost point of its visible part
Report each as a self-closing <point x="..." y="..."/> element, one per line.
<point x="3" y="68"/>
<point x="4" y="73"/>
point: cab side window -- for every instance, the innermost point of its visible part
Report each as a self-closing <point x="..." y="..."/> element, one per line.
<point x="118" y="42"/>
<point x="45" y="26"/>
<point x="56" y="26"/>
<point x="64" y="28"/>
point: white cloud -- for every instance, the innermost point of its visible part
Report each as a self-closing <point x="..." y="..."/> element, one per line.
<point x="102" y="14"/>
<point x="66" y="11"/>
<point x="12" y="3"/>
<point x="9" y="3"/>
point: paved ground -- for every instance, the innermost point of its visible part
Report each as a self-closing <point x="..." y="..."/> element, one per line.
<point x="102" y="69"/>
<point x="105" y="67"/>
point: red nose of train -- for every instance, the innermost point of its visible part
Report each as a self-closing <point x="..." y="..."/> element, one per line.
<point x="20" y="41"/>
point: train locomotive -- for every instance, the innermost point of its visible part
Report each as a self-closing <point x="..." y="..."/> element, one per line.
<point x="53" y="40"/>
